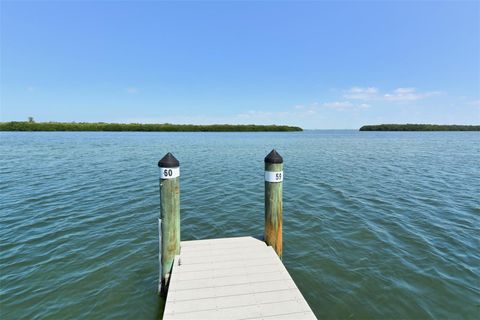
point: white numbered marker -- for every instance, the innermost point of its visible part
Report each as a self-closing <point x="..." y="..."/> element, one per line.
<point x="274" y="176"/>
<point x="169" y="173"/>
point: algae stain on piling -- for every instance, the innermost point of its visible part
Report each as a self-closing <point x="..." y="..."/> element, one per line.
<point x="273" y="203"/>
<point x="170" y="215"/>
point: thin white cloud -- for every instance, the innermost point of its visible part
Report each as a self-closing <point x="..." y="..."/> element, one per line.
<point x="342" y="105"/>
<point x="132" y="90"/>
<point x="408" y="94"/>
<point x="338" y="105"/>
<point x="360" y="98"/>
<point x="397" y="95"/>
<point x="358" y="93"/>
<point x="475" y="103"/>
<point x="298" y="111"/>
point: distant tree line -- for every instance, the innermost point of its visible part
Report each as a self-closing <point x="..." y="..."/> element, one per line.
<point x="102" y="126"/>
<point x="419" y="127"/>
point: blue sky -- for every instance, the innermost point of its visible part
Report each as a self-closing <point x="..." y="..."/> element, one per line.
<point x="325" y="65"/>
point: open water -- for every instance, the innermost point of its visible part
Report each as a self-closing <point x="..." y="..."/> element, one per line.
<point x="377" y="225"/>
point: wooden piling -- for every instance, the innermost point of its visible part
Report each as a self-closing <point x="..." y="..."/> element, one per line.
<point x="273" y="201"/>
<point x="169" y="215"/>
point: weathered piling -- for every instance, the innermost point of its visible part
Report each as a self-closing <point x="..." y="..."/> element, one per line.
<point x="273" y="201"/>
<point x="169" y="215"/>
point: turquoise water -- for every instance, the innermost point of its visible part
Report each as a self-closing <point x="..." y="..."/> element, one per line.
<point x="376" y="225"/>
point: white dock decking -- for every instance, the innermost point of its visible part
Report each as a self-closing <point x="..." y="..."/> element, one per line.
<point x="232" y="278"/>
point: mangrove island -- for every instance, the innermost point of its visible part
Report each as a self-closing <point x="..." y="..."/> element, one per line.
<point x="165" y="127"/>
<point x="420" y="127"/>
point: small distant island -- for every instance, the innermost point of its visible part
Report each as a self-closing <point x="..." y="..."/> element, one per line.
<point x="419" y="127"/>
<point x="144" y="127"/>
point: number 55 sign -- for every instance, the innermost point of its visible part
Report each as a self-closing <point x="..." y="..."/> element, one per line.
<point x="271" y="176"/>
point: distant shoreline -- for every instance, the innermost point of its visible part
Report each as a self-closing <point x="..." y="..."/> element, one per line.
<point x="140" y="127"/>
<point x="419" y="127"/>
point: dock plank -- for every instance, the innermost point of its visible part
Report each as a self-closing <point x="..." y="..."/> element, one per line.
<point x="232" y="278"/>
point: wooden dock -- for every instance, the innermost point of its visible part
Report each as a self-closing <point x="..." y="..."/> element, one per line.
<point x="232" y="278"/>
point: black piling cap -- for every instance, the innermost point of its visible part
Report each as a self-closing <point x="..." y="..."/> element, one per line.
<point x="168" y="161"/>
<point x="273" y="157"/>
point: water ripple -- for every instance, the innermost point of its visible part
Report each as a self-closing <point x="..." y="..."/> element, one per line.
<point x="376" y="225"/>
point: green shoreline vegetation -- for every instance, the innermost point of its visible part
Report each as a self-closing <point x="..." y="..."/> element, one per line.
<point x="420" y="127"/>
<point x="165" y="127"/>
